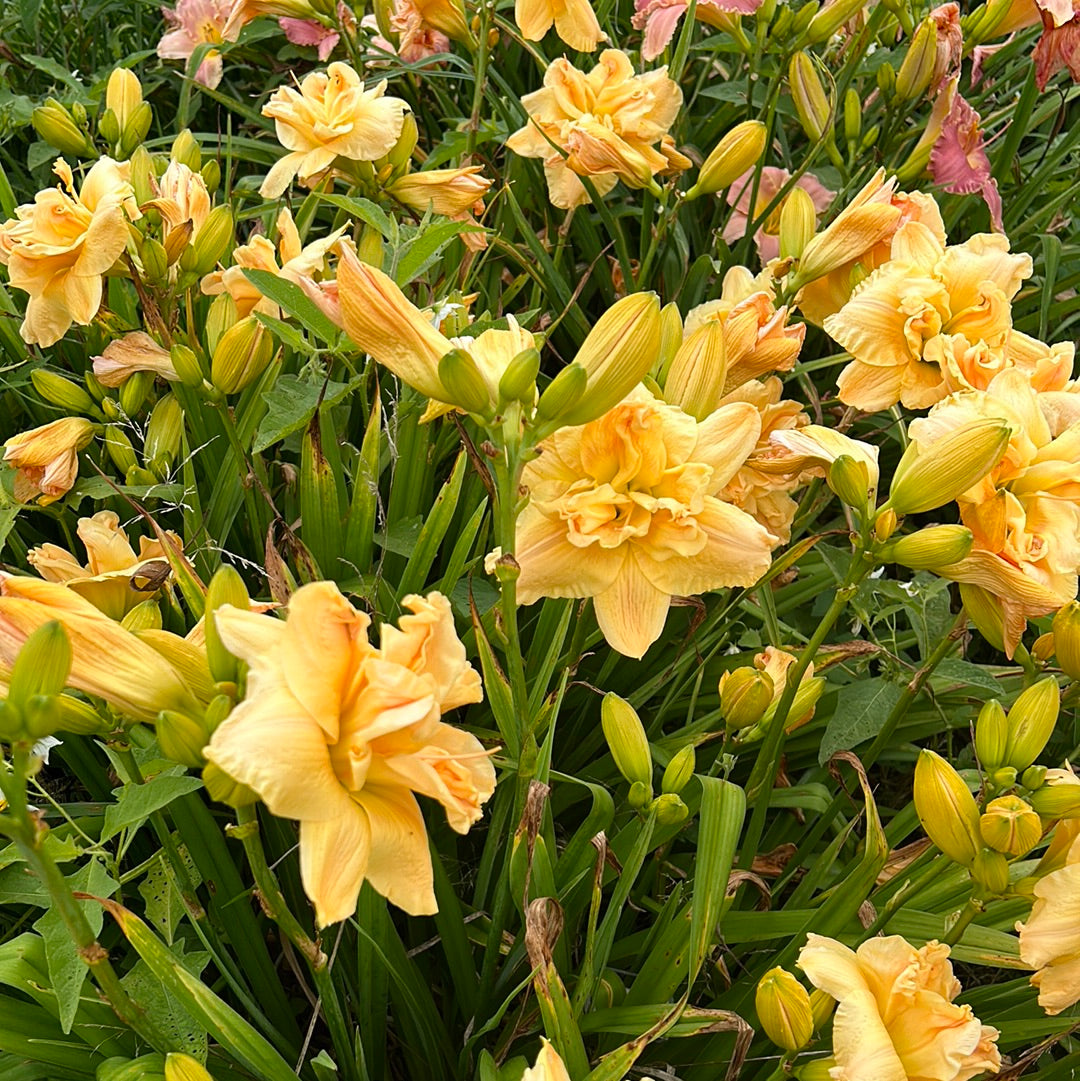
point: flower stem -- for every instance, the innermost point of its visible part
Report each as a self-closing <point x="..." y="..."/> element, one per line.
<point x="972" y="909"/>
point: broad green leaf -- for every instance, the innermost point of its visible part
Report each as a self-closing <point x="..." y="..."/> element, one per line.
<point x="425" y="249"/>
<point x="168" y="1012"/>
<point x="291" y="403"/>
<point x="861" y="709"/>
<point x="293" y="300"/>
<point x="136" y="802"/>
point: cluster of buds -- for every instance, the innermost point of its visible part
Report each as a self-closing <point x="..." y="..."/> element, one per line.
<point x="127" y="118"/>
<point x="629" y="746"/>
<point x="751" y="695"/>
<point x="1018" y="801"/>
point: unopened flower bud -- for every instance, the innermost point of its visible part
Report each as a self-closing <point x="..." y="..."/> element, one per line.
<point x="226" y="587"/>
<point x="736" y="152"/>
<point x="946" y="808"/>
<point x="849" y="478"/>
<point x="745" y="694"/>
<point x="1032" y="720"/>
<point x="145" y="616"/>
<point x="783" y="1008"/>
<point x="830" y="18"/>
<point x="1003" y="777"/>
<point x="822" y="1006"/>
<point x="109" y="128"/>
<point x="852" y="116"/>
<point x="1034" y="777"/>
<point x="626" y="739"/>
<point x="802" y="705"/>
<point x="186" y="151"/>
<point x="679" y="770"/>
<point x="885" y="524"/>
<point x="186" y="365"/>
<point x="1042" y="648"/>
<point x="804" y="16"/>
<point x="123" y="94"/>
<point x="670" y="810"/>
<point x="401" y="151"/>
<point x="163" y="429"/>
<point x="134" y="390"/>
<point x="518" y="382"/>
<point x="223" y="789"/>
<point x="214" y="239"/>
<point x="222" y="316"/>
<point x="886" y="80"/>
<point x="119" y="449"/>
<point x="913" y="78"/>
<point x="930" y="548"/>
<point x="984" y="611"/>
<point x="991" y="736"/>
<point x="1054" y="801"/>
<point x="55" y="125"/>
<point x="991" y="871"/>
<point x="141" y="167"/>
<point x="182" y="737"/>
<point x="1067" y="639"/>
<point x="1011" y="826"/>
<point x="136" y="129"/>
<point x="241" y="356"/>
<point x="562" y="392"/>
<point x="809" y="96"/>
<point x="42" y="665"/>
<point x="155" y="260"/>
<point x="211" y="175"/>
<point x="639" y="795"/>
<point x="464" y="383"/>
<point x="798" y="221"/>
<point x="930" y="476"/>
<point x="180" y="1067"/>
<point x="62" y="392"/>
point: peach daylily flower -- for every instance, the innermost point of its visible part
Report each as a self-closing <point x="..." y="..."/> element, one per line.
<point x="58" y="248"/>
<point x="195" y="23"/>
<point x="607" y="122"/>
<point x="412" y="38"/>
<point x="659" y="19"/>
<point x="767" y="237"/>
<point x="108" y="581"/>
<point x="47" y="458"/>
<point x="343" y="736"/>
<point x="134" y="352"/>
<point x="575" y="22"/>
<point x="457" y="194"/>
<point x="332" y="115"/>
<point x="896" y="1019"/>
<point x="548" y="1067"/>
<point x="625" y="509"/>
<point x="1050" y="939"/>
<point x="297" y="262"/>
<point x="925" y="290"/>
<point x="182" y="199"/>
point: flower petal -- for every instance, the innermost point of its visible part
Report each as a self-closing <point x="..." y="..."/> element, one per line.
<point x="399" y="866"/>
<point x="334" y="856"/>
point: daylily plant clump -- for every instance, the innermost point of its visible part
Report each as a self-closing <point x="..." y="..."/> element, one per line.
<point x="540" y="541"/>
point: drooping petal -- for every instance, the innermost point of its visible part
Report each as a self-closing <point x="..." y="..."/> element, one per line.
<point x="334" y="854"/>
<point x="632" y="611"/>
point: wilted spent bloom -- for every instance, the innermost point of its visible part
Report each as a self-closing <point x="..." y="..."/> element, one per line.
<point x="608" y="122"/>
<point x="624" y="510"/>
<point x="457" y="194"/>
<point x="958" y="160"/>
<point x="406" y="33"/>
<point x="946" y="808"/>
<point x="241" y="12"/>
<point x="195" y="23"/>
<point x="783" y="1008"/>
<point x="330" y="116"/>
<point x="134" y="352"/>
<point x="777" y="663"/>
<point x="343" y="736"/>
<point x="660" y="18"/>
<point x="182" y="199"/>
<point x="575" y="22"/>
<point x="58" y="248"/>
<point x="47" y="458"/>
<point x="772" y="179"/>
<point x="114" y="579"/>
<point x="1010" y="825"/>
<point x="896" y="1017"/>
<point x="297" y="263"/>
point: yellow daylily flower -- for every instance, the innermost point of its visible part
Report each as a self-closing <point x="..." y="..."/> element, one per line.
<point x="575" y="22"/>
<point x="896" y="1018"/>
<point x="549" y="1065"/>
<point x="47" y="458"/>
<point x="342" y="736"/>
<point x="58" y="248"/>
<point x="625" y="509"/>
<point x="330" y="116"/>
<point x="606" y="122"/>
<point x="110" y="581"/>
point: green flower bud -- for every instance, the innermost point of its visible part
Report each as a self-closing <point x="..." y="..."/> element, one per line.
<point x="226" y="587"/>
<point x="62" y="392"/>
<point x="187" y="366"/>
<point x="223" y="789"/>
<point x="679" y="770"/>
<point x="852" y="116"/>
<point x="145" y="616"/>
<point x="564" y="391"/>
<point x="737" y="151"/>
<point x="1054" y="801"/>
<point x="808" y="94"/>
<point x="211" y="175"/>
<point x="1034" y="777"/>
<point x="242" y="354"/>
<point x="465" y="384"/>
<point x="991" y="736"/>
<point x="213" y="241"/>
<point x="946" y="808"/>
<point x="1032" y="720"/>
<point x="798" y="223"/>
<point x="182" y="737"/>
<point x="142" y="172"/>
<point x="830" y="18"/>
<point x="402" y="150"/>
<point x="164" y="429"/>
<point x="518" y="382"/>
<point x="136" y="129"/>
<point x="155" y="261"/>
<point x="991" y="871"/>
<point x="133" y="392"/>
<point x="913" y="79"/>
<point x="783" y="1008"/>
<point x="55" y="125"/>
<point x="745" y="695"/>
<point x="1067" y="639"/>
<point x="626" y="739"/>
<point x="850" y="480"/>
<point x="670" y="810"/>
<point x="120" y="449"/>
<point x="930" y="548"/>
<point x="639" y="795"/>
<point x="186" y="151"/>
<point x="42" y="666"/>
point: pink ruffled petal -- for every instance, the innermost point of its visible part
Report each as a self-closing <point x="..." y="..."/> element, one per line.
<point x="310" y="32"/>
<point x="959" y="163"/>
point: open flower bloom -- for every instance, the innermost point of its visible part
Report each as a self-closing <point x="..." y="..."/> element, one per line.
<point x="412" y="38"/>
<point x="575" y="22"/>
<point x="384" y="323"/>
<point x="342" y="736"/>
<point x="767" y="237"/>
<point x="114" y="579"/>
<point x="828" y="293"/>
<point x="182" y="199"/>
<point x="659" y="19"/>
<point x="967" y="365"/>
<point x="606" y="123"/>
<point x="959" y="162"/>
<point x="330" y="116"/>
<point x="455" y="193"/>
<point x="1025" y="514"/>
<point x="107" y="661"/>
<point x="297" y="262"/>
<point x="312" y="33"/>
<point x="766" y="496"/>
<point x="47" y="458"/>
<point x="728" y="341"/>
<point x="811" y="450"/>
<point x="134" y="352"/>
<point x="58" y="247"/>
<point x="625" y="509"/>
<point x="896" y="1019"/>
<point x="1050" y="939"/>
<point x="241" y="12"/>
<point x="925" y="290"/>
<point x="195" y="23"/>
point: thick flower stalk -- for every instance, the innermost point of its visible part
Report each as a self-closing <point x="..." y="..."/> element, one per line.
<point x="896" y="1019"/>
<point x="604" y="125"/>
<point x="343" y="736"/>
<point x="59" y="247"/>
<point x="625" y="510"/>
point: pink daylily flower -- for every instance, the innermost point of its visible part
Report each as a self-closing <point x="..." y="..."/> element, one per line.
<point x="959" y="163"/>
<point x="1059" y="46"/>
<point x="310" y="32"/>
<point x="659" y="18"/>
<point x="195" y="23"/>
